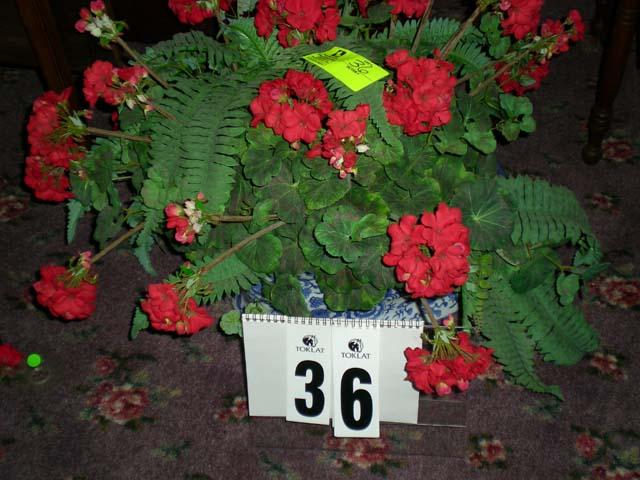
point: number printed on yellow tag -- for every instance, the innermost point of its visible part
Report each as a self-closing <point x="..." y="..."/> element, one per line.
<point x="352" y="69"/>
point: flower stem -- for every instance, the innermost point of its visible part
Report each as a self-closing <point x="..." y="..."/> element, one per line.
<point x="117" y="242"/>
<point x="136" y="56"/>
<point x="100" y="132"/>
<point x="430" y="315"/>
<point x="503" y="69"/>
<point x="216" y="219"/>
<point x="423" y="24"/>
<point x="453" y="41"/>
<point x="163" y="112"/>
<point x="239" y="246"/>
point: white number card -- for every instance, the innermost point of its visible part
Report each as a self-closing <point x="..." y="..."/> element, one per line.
<point x="317" y="370"/>
<point x="356" y="378"/>
<point x="308" y="373"/>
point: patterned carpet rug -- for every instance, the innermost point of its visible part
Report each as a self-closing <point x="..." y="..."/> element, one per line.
<point x="104" y="407"/>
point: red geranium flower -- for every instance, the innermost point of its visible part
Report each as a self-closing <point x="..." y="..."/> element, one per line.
<point x="439" y="372"/>
<point x="577" y="25"/>
<point x="168" y="312"/>
<point x="48" y="183"/>
<point x="65" y="295"/>
<point x="196" y="11"/>
<point x="522" y="17"/>
<point x="420" y="98"/>
<point x="292" y="107"/>
<point x="410" y="8"/>
<point x="10" y="356"/>
<point x="431" y="258"/>
<point x="534" y="72"/>
<point x="297" y="20"/>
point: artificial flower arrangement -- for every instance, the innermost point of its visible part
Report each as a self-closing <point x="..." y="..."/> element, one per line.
<point x="257" y="165"/>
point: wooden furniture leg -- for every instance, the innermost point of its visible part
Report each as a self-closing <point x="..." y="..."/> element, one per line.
<point x="45" y="40"/>
<point x="612" y="66"/>
<point x="600" y="18"/>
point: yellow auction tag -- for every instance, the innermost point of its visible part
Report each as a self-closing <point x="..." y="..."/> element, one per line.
<point x="354" y="70"/>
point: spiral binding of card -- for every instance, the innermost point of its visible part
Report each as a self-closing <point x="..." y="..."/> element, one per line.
<point x="360" y="322"/>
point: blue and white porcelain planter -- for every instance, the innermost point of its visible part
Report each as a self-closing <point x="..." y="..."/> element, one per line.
<point x="395" y="305"/>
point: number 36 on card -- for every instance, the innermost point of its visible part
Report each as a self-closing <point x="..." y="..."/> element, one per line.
<point x="333" y="373"/>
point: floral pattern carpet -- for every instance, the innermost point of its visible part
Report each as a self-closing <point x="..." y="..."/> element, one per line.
<point x="104" y="407"/>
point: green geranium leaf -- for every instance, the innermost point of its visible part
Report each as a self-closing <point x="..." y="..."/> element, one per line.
<point x="510" y="129"/>
<point x="335" y="233"/>
<point x="367" y="201"/>
<point x="344" y="292"/>
<point x="140" y="322"/>
<point x="262" y="255"/>
<point x="449" y="137"/>
<point x="231" y="323"/>
<point x="499" y="46"/>
<point x="286" y="296"/>
<point x="319" y="168"/>
<point x="262" y="136"/>
<point x="515" y="106"/>
<point x="323" y="193"/>
<point x="286" y="201"/>
<point x="371" y="225"/>
<point x="261" y="165"/>
<point x="368" y="171"/>
<point x="450" y="173"/>
<point x="292" y="260"/>
<point x="528" y="124"/>
<point x="314" y="252"/>
<point x="486" y="214"/>
<point x="567" y="286"/>
<point x="483" y="140"/>
<point x="369" y="267"/>
<point x="531" y="274"/>
<point x="261" y="213"/>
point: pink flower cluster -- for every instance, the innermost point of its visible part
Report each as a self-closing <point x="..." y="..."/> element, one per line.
<point x="430" y="257"/>
<point x="298" y="20"/>
<point x="186" y="219"/>
<point x="420" y="98"/>
<point x="90" y="17"/>
<point x="115" y="85"/>
<point x="344" y="139"/>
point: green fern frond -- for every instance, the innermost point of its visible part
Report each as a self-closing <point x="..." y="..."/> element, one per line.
<point x="253" y="49"/>
<point x="513" y="348"/>
<point x="545" y="213"/>
<point x="145" y="240"/>
<point x="469" y="56"/>
<point x="561" y="333"/>
<point x="200" y="149"/>
<point x="228" y="278"/>
<point x="476" y="289"/>
<point x="190" y="51"/>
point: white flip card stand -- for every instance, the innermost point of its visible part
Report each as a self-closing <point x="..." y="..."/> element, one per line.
<point x="314" y="370"/>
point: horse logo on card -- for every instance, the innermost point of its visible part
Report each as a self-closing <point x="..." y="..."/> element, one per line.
<point x="355" y="345"/>
<point x="309" y="341"/>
